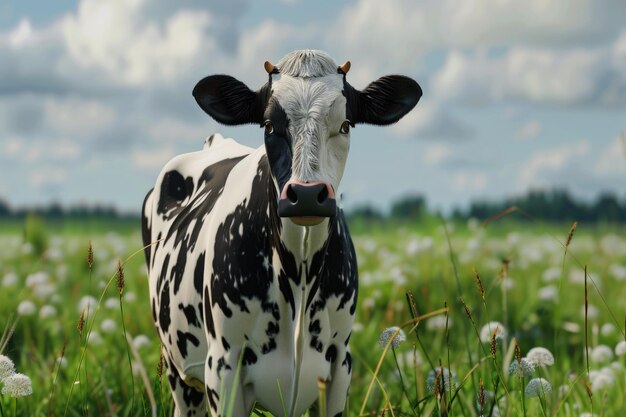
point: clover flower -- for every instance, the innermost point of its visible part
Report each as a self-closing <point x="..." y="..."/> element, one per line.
<point x="522" y="368"/>
<point x="540" y="356"/>
<point x="386" y="334"/>
<point x="442" y="379"/>
<point x="538" y="387"/>
<point x="7" y="368"/>
<point x="491" y="328"/>
<point x="17" y="385"/>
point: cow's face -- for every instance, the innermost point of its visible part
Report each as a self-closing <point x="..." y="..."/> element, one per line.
<point x="306" y="110"/>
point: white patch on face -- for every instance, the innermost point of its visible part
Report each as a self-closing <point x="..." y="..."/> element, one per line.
<point x="316" y="108"/>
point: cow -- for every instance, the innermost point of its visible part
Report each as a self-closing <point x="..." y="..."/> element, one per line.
<point x="252" y="271"/>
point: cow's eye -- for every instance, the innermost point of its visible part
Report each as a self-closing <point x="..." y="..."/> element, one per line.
<point x="345" y="127"/>
<point x="269" y="127"/>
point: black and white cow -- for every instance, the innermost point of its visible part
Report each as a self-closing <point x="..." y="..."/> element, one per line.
<point x="253" y="281"/>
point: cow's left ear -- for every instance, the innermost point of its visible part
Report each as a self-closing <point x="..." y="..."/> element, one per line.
<point x="229" y="101"/>
<point x="384" y="101"/>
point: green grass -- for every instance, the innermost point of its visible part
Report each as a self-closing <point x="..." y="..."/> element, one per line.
<point x="515" y="262"/>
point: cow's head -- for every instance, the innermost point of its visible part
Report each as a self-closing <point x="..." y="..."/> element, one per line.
<point x="306" y="110"/>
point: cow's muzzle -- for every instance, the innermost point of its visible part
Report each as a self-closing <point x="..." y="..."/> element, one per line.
<point x="307" y="204"/>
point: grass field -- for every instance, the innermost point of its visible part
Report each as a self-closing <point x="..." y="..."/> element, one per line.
<point x="524" y="276"/>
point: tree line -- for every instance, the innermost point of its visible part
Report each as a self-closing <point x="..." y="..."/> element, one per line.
<point x="547" y="205"/>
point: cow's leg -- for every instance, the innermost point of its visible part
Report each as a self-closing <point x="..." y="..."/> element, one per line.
<point x="223" y="383"/>
<point x="337" y="388"/>
<point x="188" y="401"/>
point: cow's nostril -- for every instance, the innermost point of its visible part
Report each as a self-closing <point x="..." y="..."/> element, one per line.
<point x="291" y="194"/>
<point x="323" y="195"/>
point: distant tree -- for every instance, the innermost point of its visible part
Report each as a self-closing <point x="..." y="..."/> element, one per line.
<point x="366" y="213"/>
<point x="411" y="207"/>
<point x="5" y="209"/>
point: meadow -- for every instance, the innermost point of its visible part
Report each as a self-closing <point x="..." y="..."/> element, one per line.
<point x="449" y="319"/>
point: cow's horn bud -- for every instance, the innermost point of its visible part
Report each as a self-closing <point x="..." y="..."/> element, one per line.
<point x="345" y="67"/>
<point x="269" y="67"/>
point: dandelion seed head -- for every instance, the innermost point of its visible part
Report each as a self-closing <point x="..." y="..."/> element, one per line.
<point x="386" y="334"/>
<point x="548" y="293"/>
<point x="521" y="368"/>
<point x="607" y="329"/>
<point x="94" y="338"/>
<point x="438" y="322"/>
<point x="601" y="353"/>
<point x="87" y="304"/>
<point x="492" y="328"/>
<point x="540" y="356"/>
<point x="438" y="375"/>
<point x="140" y="341"/>
<point x="620" y="348"/>
<point x="17" y="385"/>
<point x="26" y="308"/>
<point x="9" y="280"/>
<point x="602" y="380"/>
<point x="108" y="326"/>
<point x="538" y="387"/>
<point x="47" y="311"/>
<point x="7" y="368"/>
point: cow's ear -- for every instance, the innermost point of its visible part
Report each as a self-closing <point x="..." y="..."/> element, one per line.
<point x="386" y="100"/>
<point x="229" y="101"/>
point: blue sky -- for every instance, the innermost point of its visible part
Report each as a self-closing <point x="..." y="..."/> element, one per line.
<point x="96" y="96"/>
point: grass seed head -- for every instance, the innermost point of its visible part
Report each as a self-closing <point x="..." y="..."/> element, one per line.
<point x="119" y="278"/>
<point x="90" y="256"/>
<point x="81" y="323"/>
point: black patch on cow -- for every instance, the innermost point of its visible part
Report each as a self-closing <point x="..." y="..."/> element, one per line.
<point x="198" y="273"/>
<point x="213" y="398"/>
<point x="163" y="275"/>
<point x="192" y="396"/>
<point x="188" y="219"/>
<point x="249" y="357"/>
<point x="278" y="144"/>
<point x="242" y="267"/>
<point x="154" y="315"/>
<point x="208" y="314"/>
<point x="347" y="339"/>
<point x="182" y="339"/>
<point x="210" y="362"/>
<point x="221" y="364"/>
<point x="146" y="232"/>
<point x="348" y="362"/>
<point x="174" y="189"/>
<point x="334" y="268"/>
<point x="190" y="314"/>
<point x="225" y="344"/>
<point x="331" y="354"/>
<point x="164" y="310"/>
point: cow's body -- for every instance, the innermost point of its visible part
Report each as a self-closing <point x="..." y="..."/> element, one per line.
<point x="253" y="278"/>
<point x="290" y="307"/>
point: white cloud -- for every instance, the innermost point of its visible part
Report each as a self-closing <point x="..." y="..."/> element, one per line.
<point x="612" y="159"/>
<point x="152" y="160"/>
<point x="530" y="130"/>
<point x="76" y="116"/>
<point x="47" y="176"/>
<point x="543" y="167"/>
<point x="428" y="119"/>
<point x="435" y="154"/>
<point x="470" y="181"/>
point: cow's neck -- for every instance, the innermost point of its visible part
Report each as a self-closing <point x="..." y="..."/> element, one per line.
<point x="303" y="241"/>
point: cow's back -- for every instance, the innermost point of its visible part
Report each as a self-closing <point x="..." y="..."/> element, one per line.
<point x="176" y="217"/>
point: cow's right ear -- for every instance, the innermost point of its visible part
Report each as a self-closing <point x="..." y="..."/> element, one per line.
<point x="229" y="101"/>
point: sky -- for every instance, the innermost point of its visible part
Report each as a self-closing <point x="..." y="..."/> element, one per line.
<point x="95" y="96"/>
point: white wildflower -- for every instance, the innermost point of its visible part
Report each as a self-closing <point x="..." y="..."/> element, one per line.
<point x="592" y="312"/>
<point x="551" y="274"/>
<point x="618" y="272"/>
<point x="108" y="326"/>
<point x="548" y="293"/>
<point x="9" y="280"/>
<point x="130" y="297"/>
<point x="47" y="311"/>
<point x="601" y="353"/>
<point x="87" y="304"/>
<point x="508" y="284"/>
<point x="140" y="341"/>
<point x="112" y="303"/>
<point x="602" y="380"/>
<point x="620" y="348"/>
<point x="540" y="356"/>
<point x="7" y="368"/>
<point x="538" y="387"/>
<point x="607" y="329"/>
<point x="526" y="368"/>
<point x="62" y="362"/>
<point x="491" y="328"/>
<point x="94" y="338"/>
<point x="37" y="278"/>
<point x="26" y="308"/>
<point x="386" y="334"/>
<point x="17" y="385"/>
<point x="438" y="322"/>
<point x="443" y="378"/>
